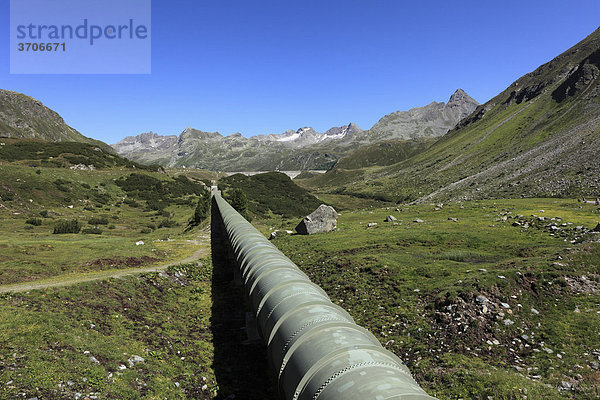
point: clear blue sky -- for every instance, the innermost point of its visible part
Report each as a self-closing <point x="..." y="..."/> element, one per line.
<point x="266" y="66"/>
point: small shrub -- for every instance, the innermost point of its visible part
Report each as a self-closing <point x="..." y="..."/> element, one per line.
<point x="111" y="226"/>
<point x="164" y="213"/>
<point x="44" y="213"/>
<point x="146" y="230"/>
<point x="89" y="208"/>
<point x="34" y="221"/>
<point x="38" y="171"/>
<point x="28" y="227"/>
<point x="167" y="223"/>
<point x="85" y="185"/>
<point x="98" y="221"/>
<point x="131" y="203"/>
<point x="92" y="230"/>
<point x="67" y="226"/>
<point x="151" y="226"/>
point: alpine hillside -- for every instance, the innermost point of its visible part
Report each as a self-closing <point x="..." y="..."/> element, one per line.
<point x="24" y="117"/>
<point x="538" y="138"/>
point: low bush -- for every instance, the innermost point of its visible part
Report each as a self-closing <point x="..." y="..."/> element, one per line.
<point x="167" y="223"/>
<point x="67" y="226"/>
<point x="34" y="221"/>
<point x="98" y="221"/>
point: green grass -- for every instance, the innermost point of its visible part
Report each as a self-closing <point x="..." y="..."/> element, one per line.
<point x="272" y="193"/>
<point x="399" y="280"/>
<point x="29" y="252"/>
<point x="49" y="338"/>
<point x="35" y="152"/>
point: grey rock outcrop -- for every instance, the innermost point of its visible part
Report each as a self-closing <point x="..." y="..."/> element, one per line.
<point x="323" y="219"/>
<point x="432" y="120"/>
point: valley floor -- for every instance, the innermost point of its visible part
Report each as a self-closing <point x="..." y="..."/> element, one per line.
<point x="483" y="299"/>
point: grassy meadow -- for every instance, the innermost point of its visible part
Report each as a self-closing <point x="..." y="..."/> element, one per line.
<point x="482" y="299"/>
<point x="534" y="330"/>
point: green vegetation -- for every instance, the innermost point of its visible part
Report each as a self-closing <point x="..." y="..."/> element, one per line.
<point x="139" y="337"/>
<point x="30" y="251"/>
<point x="202" y="209"/>
<point x="415" y="285"/>
<point x="535" y="139"/>
<point x="98" y="221"/>
<point x="159" y="193"/>
<point x="94" y="230"/>
<point x="34" y="221"/>
<point x="271" y="193"/>
<point x="36" y="153"/>
<point x="386" y="152"/>
<point x="67" y="226"/>
<point x="238" y="200"/>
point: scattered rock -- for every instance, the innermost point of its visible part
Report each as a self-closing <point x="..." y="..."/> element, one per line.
<point x="323" y="219"/>
<point x="481" y="299"/>
<point x="452" y="219"/>
<point x="505" y="305"/>
<point x="372" y="224"/>
<point x="534" y="311"/>
<point x="508" y="322"/>
<point x="418" y="221"/>
<point x="278" y="232"/>
<point x="547" y="350"/>
<point x="94" y="360"/>
<point x="390" y="218"/>
<point x="139" y="243"/>
<point x="566" y="385"/>
<point x="134" y="360"/>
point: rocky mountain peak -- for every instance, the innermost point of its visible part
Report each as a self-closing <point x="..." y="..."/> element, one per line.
<point x="461" y="97"/>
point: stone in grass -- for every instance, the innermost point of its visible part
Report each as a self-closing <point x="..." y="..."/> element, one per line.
<point x="418" y="221"/>
<point x="134" y="360"/>
<point x="323" y="219"/>
<point x="390" y="218"/>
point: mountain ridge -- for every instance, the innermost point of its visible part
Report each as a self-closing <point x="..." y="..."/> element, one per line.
<point x="299" y="149"/>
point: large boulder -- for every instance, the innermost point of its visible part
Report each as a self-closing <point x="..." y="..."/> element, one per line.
<point x="323" y="219"/>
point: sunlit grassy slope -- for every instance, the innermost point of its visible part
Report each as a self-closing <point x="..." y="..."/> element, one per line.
<point x="540" y="137"/>
<point x="416" y="286"/>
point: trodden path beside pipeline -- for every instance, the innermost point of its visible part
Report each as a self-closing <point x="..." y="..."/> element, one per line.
<point x="203" y="240"/>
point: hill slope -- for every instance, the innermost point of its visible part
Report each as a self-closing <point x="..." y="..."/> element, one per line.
<point x="539" y="137"/>
<point x="22" y="116"/>
<point x="272" y="192"/>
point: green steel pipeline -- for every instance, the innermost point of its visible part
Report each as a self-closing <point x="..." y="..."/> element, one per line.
<point x="314" y="347"/>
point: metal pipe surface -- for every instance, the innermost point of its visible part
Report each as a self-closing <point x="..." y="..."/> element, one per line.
<point x="314" y="347"/>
